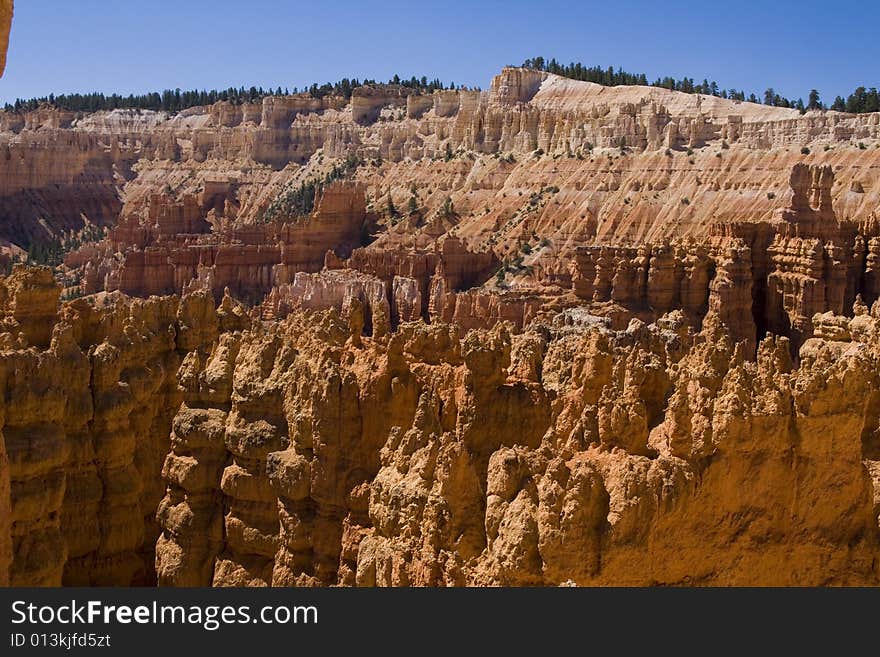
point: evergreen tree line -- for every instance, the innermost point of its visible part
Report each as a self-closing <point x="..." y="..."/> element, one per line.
<point x="46" y="253"/>
<point x="345" y="86"/>
<point x="52" y="252"/>
<point x="176" y="100"/>
<point x="861" y="100"/>
<point x="170" y="100"/>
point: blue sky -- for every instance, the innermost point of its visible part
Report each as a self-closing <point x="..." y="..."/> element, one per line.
<point x="129" y="47"/>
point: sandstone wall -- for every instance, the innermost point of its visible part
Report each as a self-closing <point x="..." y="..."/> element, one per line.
<point x="90" y="391"/>
<point x="60" y="166"/>
<point x="302" y="452"/>
<point x="620" y="336"/>
<point x="6" y="7"/>
<point x="174" y="248"/>
<point x="666" y="458"/>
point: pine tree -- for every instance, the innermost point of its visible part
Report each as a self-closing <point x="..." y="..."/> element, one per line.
<point x="813" y="102"/>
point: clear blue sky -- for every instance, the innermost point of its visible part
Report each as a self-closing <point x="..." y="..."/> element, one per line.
<point x="127" y="47"/>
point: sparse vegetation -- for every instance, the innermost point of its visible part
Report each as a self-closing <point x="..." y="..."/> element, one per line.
<point x="299" y="201"/>
<point x="52" y="252"/>
<point x="390" y="210"/>
<point x="448" y="209"/>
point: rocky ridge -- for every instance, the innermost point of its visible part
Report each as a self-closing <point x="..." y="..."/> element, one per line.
<point x="619" y="336"/>
<point x="240" y="452"/>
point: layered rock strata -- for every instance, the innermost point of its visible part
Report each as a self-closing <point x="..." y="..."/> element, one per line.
<point x="619" y="336"/>
<point x="598" y="145"/>
<point x="90" y="391"/>
<point x="302" y="452"/>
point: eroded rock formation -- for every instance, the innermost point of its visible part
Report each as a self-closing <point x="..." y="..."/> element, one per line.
<point x="547" y="334"/>
<point x="5" y="25"/>
<point x="241" y="452"/>
<point x="623" y="158"/>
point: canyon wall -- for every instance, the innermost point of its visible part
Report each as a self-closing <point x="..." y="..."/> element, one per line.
<point x="771" y="274"/>
<point x="192" y="444"/>
<point x="622" y="158"/>
<point x="550" y="333"/>
<point x="90" y="390"/>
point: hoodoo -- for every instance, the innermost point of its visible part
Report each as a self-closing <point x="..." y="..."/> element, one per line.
<point x="553" y="332"/>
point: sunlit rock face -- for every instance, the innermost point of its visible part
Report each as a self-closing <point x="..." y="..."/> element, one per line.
<point x="5" y="25"/>
<point x="182" y="442"/>
<point x="544" y="334"/>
